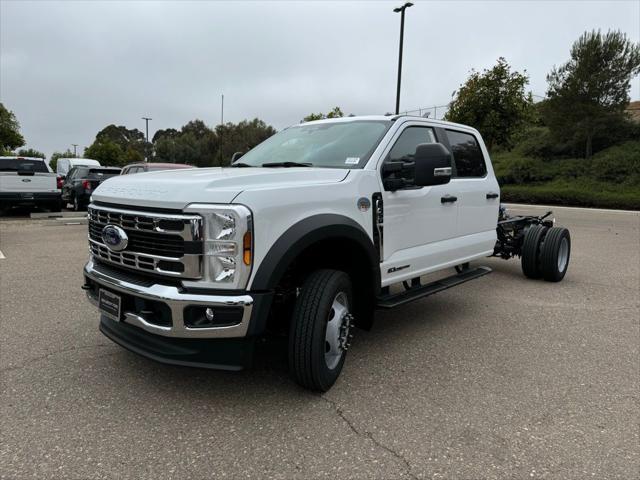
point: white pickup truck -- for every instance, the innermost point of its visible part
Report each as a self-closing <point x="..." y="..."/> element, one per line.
<point x="26" y="181"/>
<point x="305" y="236"/>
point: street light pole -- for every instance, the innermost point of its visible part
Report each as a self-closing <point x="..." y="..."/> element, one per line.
<point x="146" y="147"/>
<point x="401" y="11"/>
<point x="74" y="145"/>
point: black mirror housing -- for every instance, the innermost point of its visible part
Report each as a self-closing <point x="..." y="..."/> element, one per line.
<point x="236" y="156"/>
<point x="432" y="165"/>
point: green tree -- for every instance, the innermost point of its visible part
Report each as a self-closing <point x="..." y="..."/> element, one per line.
<point x="30" y="152"/>
<point x="107" y="152"/>
<point x="117" y="145"/>
<point x="195" y="144"/>
<point x="53" y="161"/>
<point x="494" y="102"/>
<point x="588" y="94"/>
<point x="10" y="136"/>
<point x="335" y="113"/>
<point x="241" y="137"/>
<point x="166" y="133"/>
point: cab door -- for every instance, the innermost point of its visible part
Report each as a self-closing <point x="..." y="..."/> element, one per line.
<point x="418" y="222"/>
<point x="478" y="193"/>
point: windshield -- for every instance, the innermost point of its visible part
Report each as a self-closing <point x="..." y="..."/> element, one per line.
<point x="335" y="145"/>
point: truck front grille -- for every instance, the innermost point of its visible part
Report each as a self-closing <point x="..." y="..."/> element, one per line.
<point x="163" y="243"/>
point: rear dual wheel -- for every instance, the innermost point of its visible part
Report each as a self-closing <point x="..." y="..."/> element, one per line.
<point x="546" y="252"/>
<point x="555" y="253"/>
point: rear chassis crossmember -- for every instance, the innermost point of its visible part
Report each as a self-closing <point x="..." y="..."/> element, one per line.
<point x="511" y="232"/>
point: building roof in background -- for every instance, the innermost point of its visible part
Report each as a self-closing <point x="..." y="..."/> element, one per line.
<point x="634" y="110"/>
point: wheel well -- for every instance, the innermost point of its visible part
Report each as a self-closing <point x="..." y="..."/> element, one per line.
<point x="338" y="253"/>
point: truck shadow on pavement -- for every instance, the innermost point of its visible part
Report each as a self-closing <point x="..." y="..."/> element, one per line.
<point x="269" y="374"/>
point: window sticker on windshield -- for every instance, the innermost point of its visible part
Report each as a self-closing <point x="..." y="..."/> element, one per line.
<point x="352" y="160"/>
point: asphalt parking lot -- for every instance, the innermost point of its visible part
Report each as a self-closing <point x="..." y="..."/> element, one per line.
<point x="502" y="377"/>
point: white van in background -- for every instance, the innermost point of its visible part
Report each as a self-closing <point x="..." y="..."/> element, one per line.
<point x="65" y="164"/>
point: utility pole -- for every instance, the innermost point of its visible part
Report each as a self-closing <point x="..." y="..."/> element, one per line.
<point x="401" y="11"/>
<point x="221" y="128"/>
<point x="146" y="147"/>
<point x="74" y="149"/>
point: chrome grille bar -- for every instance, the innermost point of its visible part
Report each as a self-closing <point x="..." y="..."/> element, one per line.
<point x="162" y="255"/>
<point x="187" y="226"/>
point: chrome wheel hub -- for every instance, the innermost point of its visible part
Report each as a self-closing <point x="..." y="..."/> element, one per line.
<point x="338" y="334"/>
<point x="563" y="255"/>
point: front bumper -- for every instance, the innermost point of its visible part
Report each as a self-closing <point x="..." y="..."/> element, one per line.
<point x="141" y="294"/>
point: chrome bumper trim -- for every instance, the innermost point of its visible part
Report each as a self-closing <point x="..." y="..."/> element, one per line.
<point x="176" y="301"/>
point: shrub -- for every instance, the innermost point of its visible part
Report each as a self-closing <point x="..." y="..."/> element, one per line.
<point x="619" y="164"/>
<point x="511" y="168"/>
<point x="583" y="193"/>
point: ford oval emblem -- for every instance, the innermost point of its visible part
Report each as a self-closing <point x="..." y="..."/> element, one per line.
<point x="114" y="238"/>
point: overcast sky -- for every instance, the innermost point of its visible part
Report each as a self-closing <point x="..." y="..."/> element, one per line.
<point x="69" y="68"/>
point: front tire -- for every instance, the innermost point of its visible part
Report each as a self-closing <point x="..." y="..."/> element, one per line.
<point x="320" y="329"/>
<point x="555" y="253"/>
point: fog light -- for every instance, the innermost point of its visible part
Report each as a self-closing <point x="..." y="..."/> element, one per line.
<point x="201" y="316"/>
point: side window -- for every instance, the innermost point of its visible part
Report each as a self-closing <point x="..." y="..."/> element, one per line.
<point x="410" y="138"/>
<point x="467" y="155"/>
<point x="71" y="173"/>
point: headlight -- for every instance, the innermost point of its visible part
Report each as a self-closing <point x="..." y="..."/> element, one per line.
<point x="228" y="245"/>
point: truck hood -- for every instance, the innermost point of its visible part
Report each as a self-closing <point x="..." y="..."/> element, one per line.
<point x="175" y="189"/>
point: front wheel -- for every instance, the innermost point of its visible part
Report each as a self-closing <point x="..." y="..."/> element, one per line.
<point x="321" y="329"/>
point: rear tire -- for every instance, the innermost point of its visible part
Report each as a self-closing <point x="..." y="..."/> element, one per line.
<point x="78" y="206"/>
<point x="555" y="253"/>
<point x="317" y="346"/>
<point x="56" y="206"/>
<point x="531" y="251"/>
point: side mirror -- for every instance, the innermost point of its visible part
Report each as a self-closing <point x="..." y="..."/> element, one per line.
<point x="236" y="156"/>
<point x="432" y="165"/>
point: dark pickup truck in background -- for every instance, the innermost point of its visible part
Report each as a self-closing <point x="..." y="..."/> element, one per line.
<point x="82" y="181"/>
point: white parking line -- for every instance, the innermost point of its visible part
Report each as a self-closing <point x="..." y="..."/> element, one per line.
<point x="2" y="255"/>
<point x="552" y="207"/>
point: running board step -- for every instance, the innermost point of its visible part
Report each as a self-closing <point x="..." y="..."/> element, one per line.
<point x="396" y="299"/>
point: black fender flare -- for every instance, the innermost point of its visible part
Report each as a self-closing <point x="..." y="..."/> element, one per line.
<point x="299" y="237"/>
<point x="305" y="233"/>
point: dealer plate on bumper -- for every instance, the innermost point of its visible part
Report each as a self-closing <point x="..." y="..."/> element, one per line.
<point x="109" y="304"/>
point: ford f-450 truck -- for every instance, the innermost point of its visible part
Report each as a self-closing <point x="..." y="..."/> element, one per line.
<point x="307" y="234"/>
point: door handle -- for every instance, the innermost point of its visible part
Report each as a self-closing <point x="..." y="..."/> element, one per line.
<point x="491" y="195"/>
<point x="448" y="199"/>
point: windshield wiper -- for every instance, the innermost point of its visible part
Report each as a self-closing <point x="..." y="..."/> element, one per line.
<point x="287" y="164"/>
<point x="240" y="165"/>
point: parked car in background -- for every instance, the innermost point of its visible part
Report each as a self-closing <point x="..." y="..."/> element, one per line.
<point x="80" y="183"/>
<point x="152" y="167"/>
<point x="64" y="165"/>
<point x="27" y="181"/>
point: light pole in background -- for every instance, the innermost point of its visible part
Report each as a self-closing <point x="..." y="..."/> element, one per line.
<point x="146" y="147"/>
<point x="401" y="11"/>
<point x="74" y="145"/>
